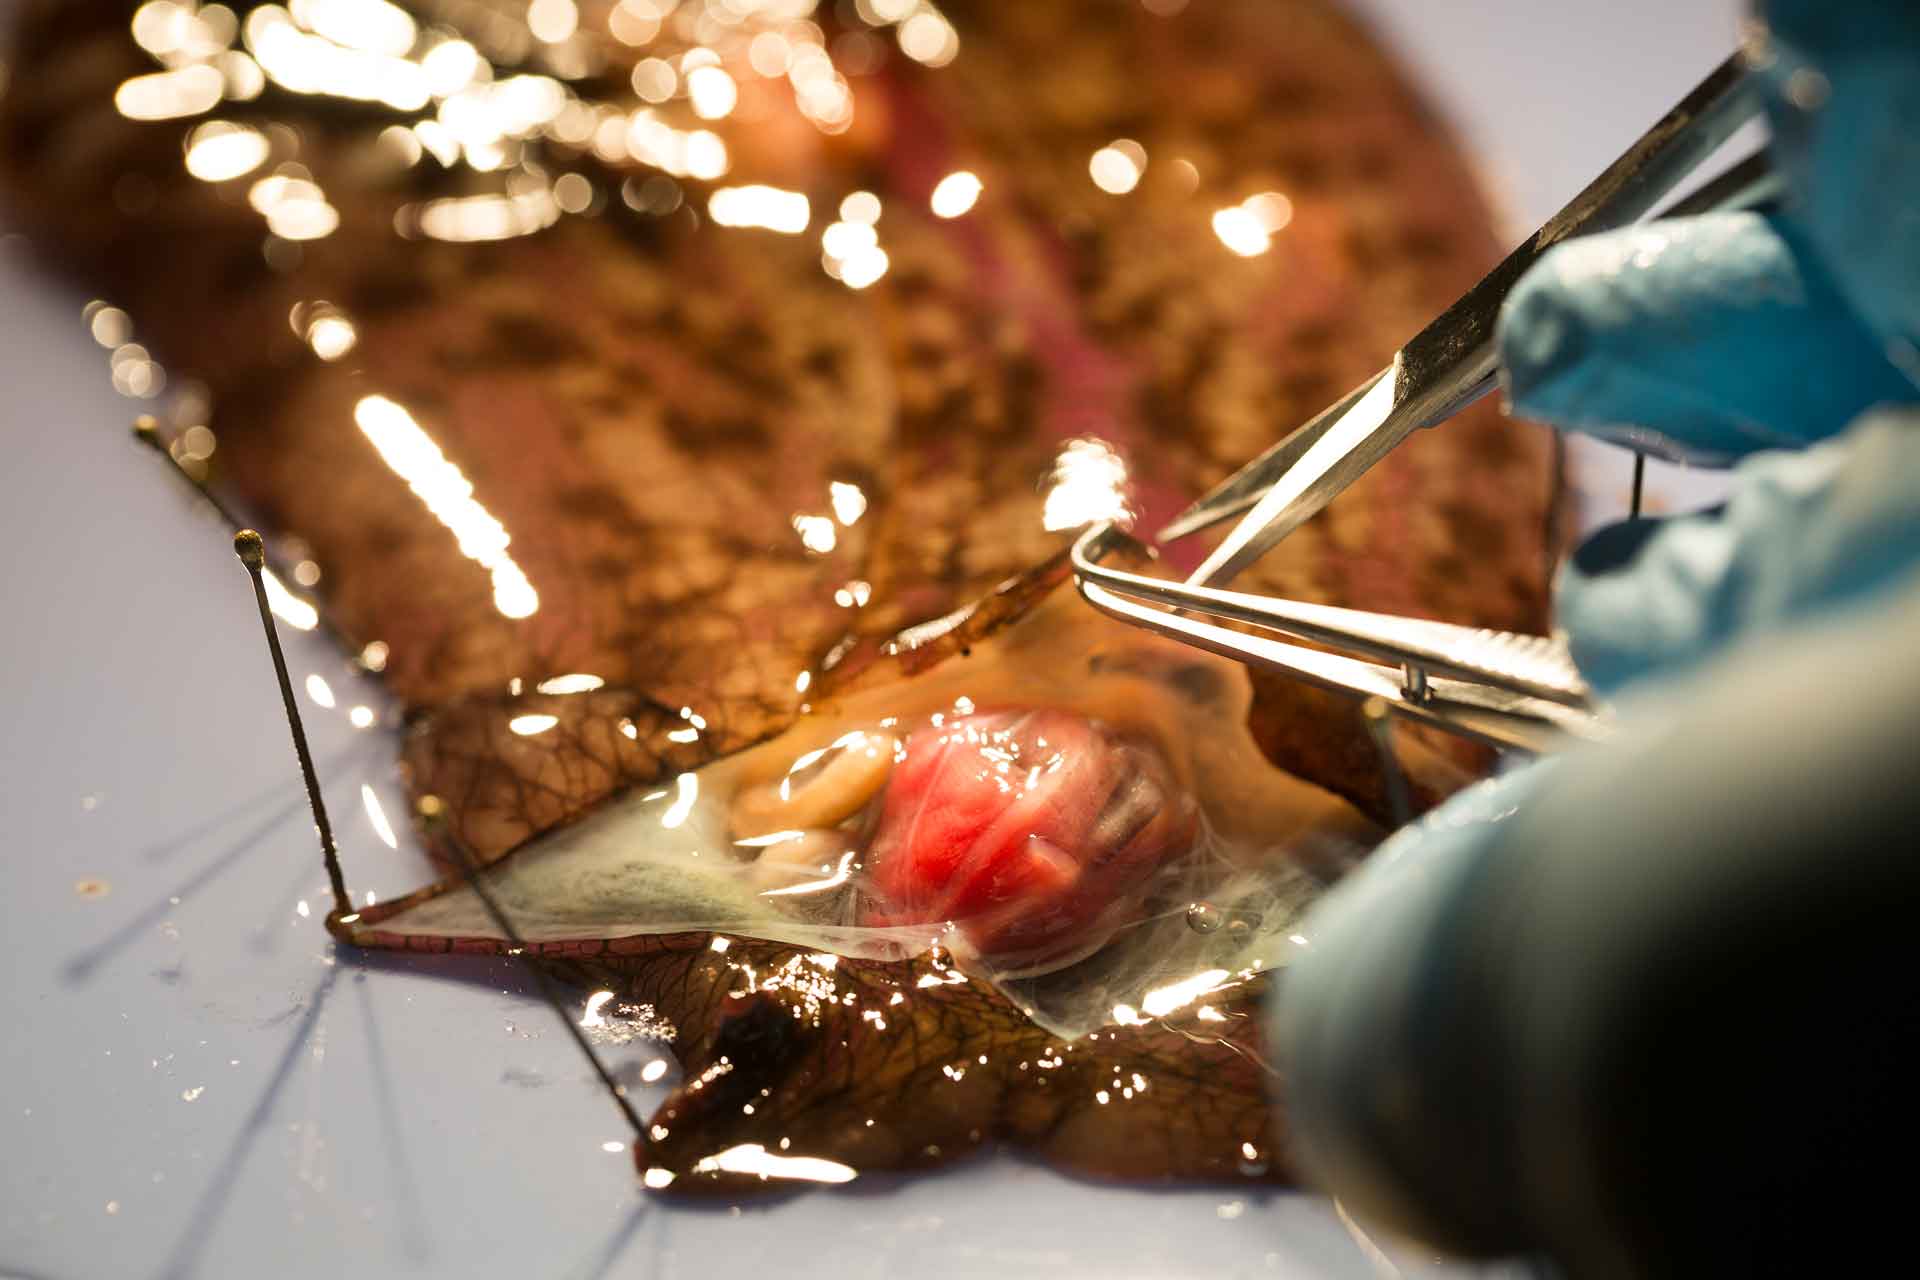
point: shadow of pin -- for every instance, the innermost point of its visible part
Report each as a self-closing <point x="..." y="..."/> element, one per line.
<point x="83" y="965"/>
<point x="607" y="1255"/>
<point x="188" y="836"/>
<point x="413" y="1242"/>
<point x="213" y="1201"/>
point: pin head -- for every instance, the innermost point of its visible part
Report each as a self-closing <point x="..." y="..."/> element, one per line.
<point x="146" y="429"/>
<point x="251" y="549"/>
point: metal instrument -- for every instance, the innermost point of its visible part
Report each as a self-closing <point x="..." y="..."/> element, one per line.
<point x="1453" y="361"/>
<point x="1510" y="690"/>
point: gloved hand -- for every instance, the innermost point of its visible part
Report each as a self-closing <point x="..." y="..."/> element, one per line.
<point x="1719" y="336"/>
<point x="1492" y="1039"/>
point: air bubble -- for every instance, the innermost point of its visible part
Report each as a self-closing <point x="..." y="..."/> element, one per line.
<point x="1204" y="917"/>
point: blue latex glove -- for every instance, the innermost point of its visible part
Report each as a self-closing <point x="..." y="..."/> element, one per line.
<point x="1645" y="1007"/>
<point x="1846" y="96"/>
<point x="1720" y="336"/>
<point x="1436" y="1029"/>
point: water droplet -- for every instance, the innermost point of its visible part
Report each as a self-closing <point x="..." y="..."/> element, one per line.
<point x="1204" y="917"/>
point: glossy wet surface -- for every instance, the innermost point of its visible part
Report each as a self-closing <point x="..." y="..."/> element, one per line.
<point x="534" y="358"/>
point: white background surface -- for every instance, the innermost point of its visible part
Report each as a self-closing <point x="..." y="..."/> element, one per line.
<point x="192" y="1080"/>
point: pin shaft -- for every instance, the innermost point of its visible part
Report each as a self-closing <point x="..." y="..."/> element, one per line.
<point x="1379" y="721"/>
<point x="251" y="549"/>
<point x="1639" y="484"/>
<point x="146" y="429"/>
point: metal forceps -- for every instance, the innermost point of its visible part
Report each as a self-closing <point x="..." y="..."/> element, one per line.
<point x="1509" y="690"/>
<point x="1453" y="362"/>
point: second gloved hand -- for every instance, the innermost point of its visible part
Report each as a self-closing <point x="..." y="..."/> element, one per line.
<point x="1578" y="1008"/>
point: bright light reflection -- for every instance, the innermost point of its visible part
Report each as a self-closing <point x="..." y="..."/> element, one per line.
<point x="861" y="206"/>
<point x="573" y="193"/>
<point x="174" y="33"/>
<point x="928" y="37"/>
<point x="849" y="504"/>
<point x="332" y="336"/>
<point x="654" y="1070"/>
<point x="760" y="206"/>
<point x="552" y="20"/>
<point x="634" y="22"/>
<point x="414" y="457"/>
<point x="305" y="63"/>
<point x="819" y="90"/>
<point x="1273" y="210"/>
<point x="168" y="95"/>
<point x="1162" y="1001"/>
<point x="244" y="78"/>
<point x="110" y="326"/>
<point x="361" y="717"/>
<point x="1248" y="228"/>
<point x="436" y="140"/>
<point x="1089" y="485"/>
<point x="844" y="240"/>
<point x="320" y="691"/>
<point x="220" y="152"/>
<point x="377" y="817"/>
<point x="451" y="66"/>
<point x="595" y="1002"/>
<point x="481" y="116"/>
<point x="769" y="54"/>
<point x="531" y="725"/>
<point x="751" y="1157"/>
<point x="863" y="269"/>
<point x="816" y="533"/>
<point x="286" y="606"/>
<point x="841" y="873"/>
<point x="295" y="208"/>
<point x="696" y="154"/>
<point x="687" y="791"/>
<point x="472" y="219"/>
<point x="955" y="194"/>
<point x="655" y="80"/>
<point x="1116" y="167"/>
<point x="372" y="26"/>
<point x="772" y="838"/>
<point x="711" y="92"/>
<point x="1241" y="231"/>
<point x="574" y="683"/>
